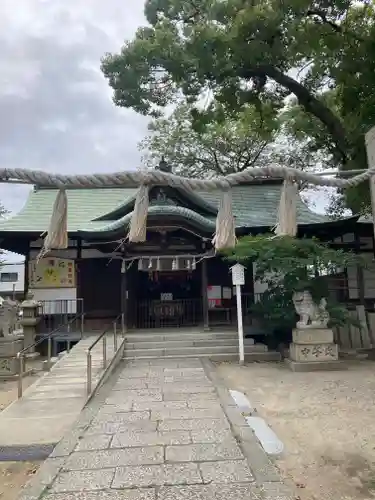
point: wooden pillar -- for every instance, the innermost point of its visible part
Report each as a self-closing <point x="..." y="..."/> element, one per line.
<point x="206" y="322"/>
<point x="370" y="148"/>
<point x="360" y="277"/>
<point x="124" y="295"/>
<point x="78" y="266"/>
<point x="26" y="276"/>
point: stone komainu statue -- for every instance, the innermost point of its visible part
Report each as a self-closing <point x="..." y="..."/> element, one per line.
<point x="9" y="317"/>
<point x="311" y="315"/>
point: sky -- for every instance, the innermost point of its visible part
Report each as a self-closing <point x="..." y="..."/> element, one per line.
<point x="55" y="105"/>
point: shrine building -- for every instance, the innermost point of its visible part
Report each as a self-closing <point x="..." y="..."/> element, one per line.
<point x="174" y="278"/>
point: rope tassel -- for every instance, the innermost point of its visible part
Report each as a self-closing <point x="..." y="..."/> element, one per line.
<point x="225" y="236"/>
<point x="138" y="223"/>
<point x="287" y="216"/>
<point x="57" y="234"/>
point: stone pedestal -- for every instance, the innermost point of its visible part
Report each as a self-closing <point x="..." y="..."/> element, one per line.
<point x="9" y="347"/>
<point x="313" y="349"/>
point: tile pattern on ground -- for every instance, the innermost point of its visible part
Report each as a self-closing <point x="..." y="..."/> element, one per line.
<point x="161" y="434"/>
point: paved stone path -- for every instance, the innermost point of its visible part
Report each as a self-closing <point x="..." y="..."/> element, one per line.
<point x="165" y="430"/>
<point x="33" y="425"/>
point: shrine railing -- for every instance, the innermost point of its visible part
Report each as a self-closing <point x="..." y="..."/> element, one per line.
<point x="54" y="313"/>
<point x="168" y="313"/>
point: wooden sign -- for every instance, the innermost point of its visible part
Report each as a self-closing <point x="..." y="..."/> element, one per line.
<point x="52" y="273"/>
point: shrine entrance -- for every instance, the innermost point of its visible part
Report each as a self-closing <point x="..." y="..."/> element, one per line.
<point x="167" y="298"/>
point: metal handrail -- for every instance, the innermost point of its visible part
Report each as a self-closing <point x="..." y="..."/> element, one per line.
<point x="22" y="353"/>
<point x="103" y="336"/>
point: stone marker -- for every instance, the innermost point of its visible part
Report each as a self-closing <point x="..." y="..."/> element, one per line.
<point x="313" y="346"/>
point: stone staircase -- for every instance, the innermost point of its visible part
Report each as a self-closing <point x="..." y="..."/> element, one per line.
<point x="218" y="345"/>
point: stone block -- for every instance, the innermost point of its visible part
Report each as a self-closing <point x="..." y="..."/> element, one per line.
<point x="90" y="443"/>
<point x="129" y="439"/>
<point x="210" y="435"/>
<point x="159" y="405"/>
<point x="8" y="368"/>
<point x="228" y="449"/>
<point x="114" y="427"/>
<point x="9" y="347"/>
<point x="134" y="395"/>
<point x="313" y="336"/>
<point x="314" y="366"/>
<point x="193" y="424"/>
<point x="136" y="494"/>
<point x="188" y="388"/>
<point x="228" y="471"/>
<point x="83" y="480"/>
<point x="209" y="492"/>
<point x="191" y="396"/>
<point x="186" y="413"/>
<point x="130" y="416"/>
<point x="115" y="458"/>
<point x="156" y="475"/>
<point x="313" y="352"/>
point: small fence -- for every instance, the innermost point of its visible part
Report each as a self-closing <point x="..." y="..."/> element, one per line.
<point x="350" y="336"/>
<point x="164" y="314"/>
<point x="55" y="313"/>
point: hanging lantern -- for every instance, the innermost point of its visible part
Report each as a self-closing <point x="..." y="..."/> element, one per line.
<point x="140" y="264"/>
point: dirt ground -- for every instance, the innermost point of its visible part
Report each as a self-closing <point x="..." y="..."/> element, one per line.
<point x="13" y="475"/>
<point x="326" y="421"/>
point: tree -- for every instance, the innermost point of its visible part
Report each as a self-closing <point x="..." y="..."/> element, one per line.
<point x="242" y="53"/>
<point x="224" y="147"/>
<point x="287" y="265"/>
<point x="219" y="149"/>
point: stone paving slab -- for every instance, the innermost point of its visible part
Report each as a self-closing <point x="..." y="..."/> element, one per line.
<point x="52" y="404"/>
<point x="212" y="492"/>
<point x="135" y="494"/>
<point x="156" y="475"/>
<point x="130" y="439"/>
<point x="111" y="458"/>
<point x="176" y="440"/>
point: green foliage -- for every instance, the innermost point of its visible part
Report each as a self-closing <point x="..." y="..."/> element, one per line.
<point x="235" y="53"/>
<point x="220" y="147"/>
<point x="287" y="265"/>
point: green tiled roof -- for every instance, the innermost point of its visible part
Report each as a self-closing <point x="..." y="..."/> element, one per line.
<point x="253" y="206"/>
<point x="84" y="205"/>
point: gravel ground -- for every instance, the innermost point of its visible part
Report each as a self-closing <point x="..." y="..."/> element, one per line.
<point x="326" y="421"/>
<point x="13" y="475"/>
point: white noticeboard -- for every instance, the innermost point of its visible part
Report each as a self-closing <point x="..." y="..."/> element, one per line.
<point x="238" y="274"/>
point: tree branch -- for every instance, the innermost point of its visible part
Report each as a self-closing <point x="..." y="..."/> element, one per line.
<point x="310" y="103"/>
<point x="323" y="17"/>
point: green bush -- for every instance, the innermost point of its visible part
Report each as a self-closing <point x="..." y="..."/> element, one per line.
<point x="287" y="265"/>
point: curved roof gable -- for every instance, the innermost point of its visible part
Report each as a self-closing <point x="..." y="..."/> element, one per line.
<point x="184" y="197"/>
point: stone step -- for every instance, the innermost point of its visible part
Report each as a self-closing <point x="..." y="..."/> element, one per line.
<point x="249" y="357"/>
<point x="193" y="351"/>
<point x="184" y="343"/>
<point x="182" y="336"/>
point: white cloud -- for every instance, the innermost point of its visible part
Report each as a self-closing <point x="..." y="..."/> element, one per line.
<point x="56" y="112"/>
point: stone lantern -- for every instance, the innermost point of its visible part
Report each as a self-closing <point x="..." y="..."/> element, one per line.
<point x="29" y="321"/>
